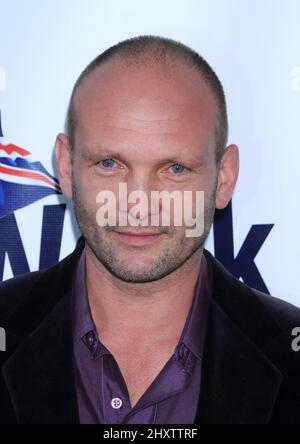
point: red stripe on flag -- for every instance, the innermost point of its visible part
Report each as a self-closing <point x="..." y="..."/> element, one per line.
<point x="9" y="149"/>
<point x="29" y="174"/>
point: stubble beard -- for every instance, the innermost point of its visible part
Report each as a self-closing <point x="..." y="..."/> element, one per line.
<point x="176" y="250"/>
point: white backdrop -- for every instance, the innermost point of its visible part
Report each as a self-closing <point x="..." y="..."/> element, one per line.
<point x="254" y="46"/>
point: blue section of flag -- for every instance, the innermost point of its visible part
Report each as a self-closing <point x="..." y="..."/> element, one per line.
<point x="14" y="196"/>
<point x="23" y="163"/>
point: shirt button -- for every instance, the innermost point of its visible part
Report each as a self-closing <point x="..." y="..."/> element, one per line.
<point x="116" y="403"/>
<point x="91" y="338"/>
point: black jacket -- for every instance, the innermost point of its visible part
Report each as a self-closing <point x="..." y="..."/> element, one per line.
<point x="250" y="372"/>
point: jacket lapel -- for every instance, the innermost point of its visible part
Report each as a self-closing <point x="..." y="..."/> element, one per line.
<point x="40" y="375"/>
<point x="239" y="383"/>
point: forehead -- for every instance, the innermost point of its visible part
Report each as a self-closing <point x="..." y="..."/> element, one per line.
<point x="148" y="101"/>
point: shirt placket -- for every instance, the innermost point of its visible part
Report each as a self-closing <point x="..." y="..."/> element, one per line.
<point x="114" y="393"/>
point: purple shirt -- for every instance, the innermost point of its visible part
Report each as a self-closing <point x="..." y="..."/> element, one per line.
<point x="173" y="395"/>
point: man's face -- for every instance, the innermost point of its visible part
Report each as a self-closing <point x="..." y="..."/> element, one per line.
<point x="152" y="128"/>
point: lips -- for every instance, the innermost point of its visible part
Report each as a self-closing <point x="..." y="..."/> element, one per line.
<point x="138" y="233"/>
<point x="138" y="237"/>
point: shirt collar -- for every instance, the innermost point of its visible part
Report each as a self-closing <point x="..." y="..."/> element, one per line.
<point x="83" y="321"/>
<point x="193" y="333"/>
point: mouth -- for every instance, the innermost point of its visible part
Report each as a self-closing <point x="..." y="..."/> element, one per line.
<point x="140" y="237"/>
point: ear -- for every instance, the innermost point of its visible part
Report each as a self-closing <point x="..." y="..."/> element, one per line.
<point x="64" y="164"/>
<point x="227" y="176"/>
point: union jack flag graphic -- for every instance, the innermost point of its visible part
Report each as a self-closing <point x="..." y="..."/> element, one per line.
<point x="22" y="180"/>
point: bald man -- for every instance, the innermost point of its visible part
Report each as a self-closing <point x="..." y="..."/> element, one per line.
<point x="141" y="324"/>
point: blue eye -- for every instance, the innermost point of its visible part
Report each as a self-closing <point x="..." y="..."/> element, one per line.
<point x="177" y="168"/>
<point x="107" y="163"/>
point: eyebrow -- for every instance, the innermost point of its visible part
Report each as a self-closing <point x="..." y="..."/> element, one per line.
<point x="98" y="150"/>
<point x="86" y="153"/>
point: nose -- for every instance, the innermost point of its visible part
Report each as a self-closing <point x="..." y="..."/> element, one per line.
<point x="135" y="200"/>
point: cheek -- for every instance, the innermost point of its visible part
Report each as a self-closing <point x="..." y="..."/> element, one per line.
<point x="84" y="191"/>
<point x="204" y="195"/>
<point x="89" y="186"/>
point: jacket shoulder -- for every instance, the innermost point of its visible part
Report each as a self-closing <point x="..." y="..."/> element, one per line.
<point x="286" y="314"/>
<point x="31" y="295"/>
<point x="248" y="307"/>
<point x="13" y="290"/>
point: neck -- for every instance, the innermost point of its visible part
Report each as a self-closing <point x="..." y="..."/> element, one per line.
<point x="143" y="310"/>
